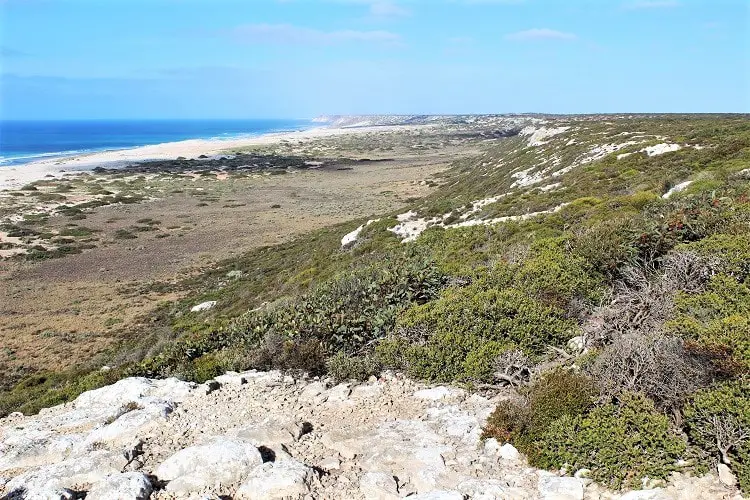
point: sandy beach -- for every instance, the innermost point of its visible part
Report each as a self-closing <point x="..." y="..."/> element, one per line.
<point x="14" y="177"/>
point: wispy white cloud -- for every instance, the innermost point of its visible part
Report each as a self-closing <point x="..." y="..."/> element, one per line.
<point x="540" y="34"/>
<point x="297" y="35"/>
<point x="651" y="4"/>
<point x="388" y="9"/>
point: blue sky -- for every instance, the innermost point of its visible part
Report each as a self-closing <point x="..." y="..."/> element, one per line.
<point x="300" y="58"/>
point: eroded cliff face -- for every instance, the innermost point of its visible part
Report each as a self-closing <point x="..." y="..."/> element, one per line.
<point x="264" y="435"/>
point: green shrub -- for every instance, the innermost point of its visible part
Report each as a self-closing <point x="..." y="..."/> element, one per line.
<point x="556" y="276"/>
<point x="557" y="394"/>
<point x="621" y="443"/>
<point x="349" y="311"/>
<point x="718" y="421"/>
<point x="718" y="318"/>
<point x="733" y="250"/>
<point x="342" y="366"/>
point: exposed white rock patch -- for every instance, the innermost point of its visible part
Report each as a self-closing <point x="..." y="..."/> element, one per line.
<point x="490" y="222"/>
<point x="623" y="155"/>
<point x="550" y="187"/>
<point x="538" y="136"/>
<point x="660" y="149"/>
<point x="478" y="205"/>
<point x="524" y="178"/>
<point x="409" y="230"/>
<point x="676" y="189"/>
<point x="203" y="306"/>
<point x="599" y="152"/>
<point x="350" y="238"/>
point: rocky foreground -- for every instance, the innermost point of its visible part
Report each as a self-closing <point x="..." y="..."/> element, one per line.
<point x="263" y="435"/>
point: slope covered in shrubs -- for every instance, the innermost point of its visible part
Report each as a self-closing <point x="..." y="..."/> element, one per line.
<point x="621" y="318"/>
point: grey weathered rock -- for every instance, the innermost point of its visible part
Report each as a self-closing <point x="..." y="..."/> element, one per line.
<point x="220" y="460"/>
<point x="277" y="480"/>
<point x="378" y="486"/>
<point x="339" y="393"/>
<point x="125" y="486"/>
<point x="726" y="476"/>
<point x="433" y="393"/>
<point x="560" y="488"/>
<point x="438" y="495"/>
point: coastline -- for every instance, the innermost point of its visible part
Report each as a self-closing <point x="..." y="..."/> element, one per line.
<point x="14" y="177"/>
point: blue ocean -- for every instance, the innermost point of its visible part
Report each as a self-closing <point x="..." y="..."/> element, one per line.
<point x="27" y="141"/>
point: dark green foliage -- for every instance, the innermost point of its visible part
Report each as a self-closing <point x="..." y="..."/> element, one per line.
<point x="560" y="393"/>
<point x="718" y="421"/>
<point x="468" y="327"/>
<point x="621" y="443"/>
<point x="350" y="310"/>
<point x="342" y="367"/>
<point x="718" y="318"/>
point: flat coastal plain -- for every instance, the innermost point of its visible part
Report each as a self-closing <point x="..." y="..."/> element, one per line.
<point x="92" y="246"/>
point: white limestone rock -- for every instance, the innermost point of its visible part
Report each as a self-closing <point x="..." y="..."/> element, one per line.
<point x="726" y="476"/>
<point x="220" y="460"/>
<point x="203" y="306"/>
<point x="277" y="480"/>
<point x="560" y="488"/>
<point x="434" y="393"/>
<point x="509" y="452"/>
<point x="125" y="486"/>
<point x="378" y="486"/>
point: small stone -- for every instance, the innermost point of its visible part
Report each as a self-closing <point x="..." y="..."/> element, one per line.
<point x="339" y="393"/>
<point x="211" y="386"/>
<point x="726" y="476"/>
<point x="576" y="344"/>
<point x="203" y="306"/>
<point x="330" y="463"/>
<point x="433" y="394"/>
<point x="582" y="473"/>
<point x="125" y="486"/>
<point x="491" y="447"/>
<point x="560" y="488"/>
<point x="378" y="486"/>
<point x="509" y="452"/>
<point x="277" y="480"/>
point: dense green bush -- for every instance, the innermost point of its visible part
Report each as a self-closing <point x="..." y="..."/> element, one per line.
<point x="718" y="318"/>
<point x="556" y="394"/>
<point x="621" y="443"/>
<point x="718" y="420"/>
<point x="349" y="311"/>
<point x="555" y="275"/>
<point x="342" y="366"/>
<point x="468" y="327"/>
